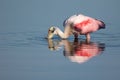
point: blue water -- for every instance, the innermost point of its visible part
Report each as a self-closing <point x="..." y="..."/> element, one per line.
<point x="25" y="54"/>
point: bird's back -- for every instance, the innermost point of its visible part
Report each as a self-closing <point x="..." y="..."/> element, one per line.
<point x="75" y="19"/>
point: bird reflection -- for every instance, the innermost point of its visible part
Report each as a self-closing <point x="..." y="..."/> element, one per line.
<point x="77" y="51"/>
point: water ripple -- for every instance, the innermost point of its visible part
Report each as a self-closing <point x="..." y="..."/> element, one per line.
<point x="111" y="40"/>
<point x="21" y="39"/>
<point x="28" y="39"/>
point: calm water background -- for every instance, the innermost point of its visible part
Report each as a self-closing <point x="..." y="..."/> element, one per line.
<point x="24" y="53"/>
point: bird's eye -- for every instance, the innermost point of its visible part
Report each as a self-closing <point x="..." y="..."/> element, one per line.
<point x="52" y="31"/>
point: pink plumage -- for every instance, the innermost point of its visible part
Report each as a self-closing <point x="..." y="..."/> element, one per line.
<point x="77" y="25"/>
<point x="84" y="24"/>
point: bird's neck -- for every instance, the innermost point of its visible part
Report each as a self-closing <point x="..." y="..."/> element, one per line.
<point x="60" y="33"/>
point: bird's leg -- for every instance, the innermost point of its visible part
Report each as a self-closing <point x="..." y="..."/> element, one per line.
<point x="88" y="37"/>
<point x="75" y="35"/>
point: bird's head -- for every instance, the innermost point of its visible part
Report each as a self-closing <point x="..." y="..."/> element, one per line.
<point x="51" y="32"/>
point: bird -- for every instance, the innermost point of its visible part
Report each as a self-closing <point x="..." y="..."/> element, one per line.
<point x="76" y="25"/>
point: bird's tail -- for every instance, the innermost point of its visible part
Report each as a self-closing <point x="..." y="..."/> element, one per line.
<point x="101" y="25"/>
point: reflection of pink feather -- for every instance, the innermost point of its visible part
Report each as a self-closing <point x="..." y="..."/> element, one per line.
<point x="76" y="51"/>
<point x="83" y="53"/>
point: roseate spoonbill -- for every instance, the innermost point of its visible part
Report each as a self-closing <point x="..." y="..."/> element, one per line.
<point x="77" y="25"/>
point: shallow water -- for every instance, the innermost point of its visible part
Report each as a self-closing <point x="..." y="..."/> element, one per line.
<point x="25" y="54"/>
